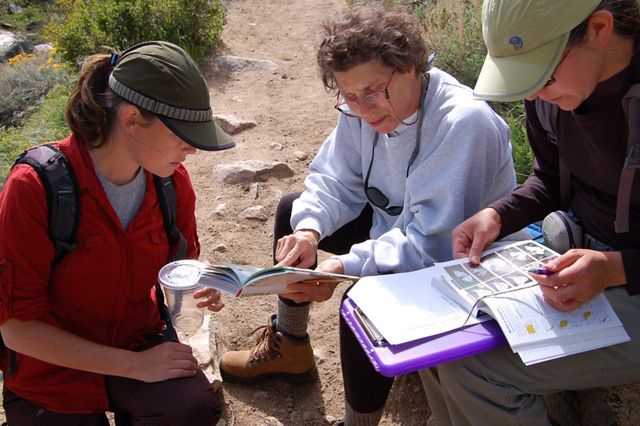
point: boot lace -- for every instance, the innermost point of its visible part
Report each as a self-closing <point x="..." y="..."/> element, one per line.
<point x="267" y="345"/>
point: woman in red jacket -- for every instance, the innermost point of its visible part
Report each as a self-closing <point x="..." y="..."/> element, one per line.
<point x="87" y="334"/>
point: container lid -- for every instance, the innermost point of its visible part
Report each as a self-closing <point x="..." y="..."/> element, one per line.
<point x="181" y="274"/>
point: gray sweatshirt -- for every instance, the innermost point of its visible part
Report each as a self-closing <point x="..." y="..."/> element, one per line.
<point x="464" y="163"/>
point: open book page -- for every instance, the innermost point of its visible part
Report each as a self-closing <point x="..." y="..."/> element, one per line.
<point x="243" y="279"/>
<point x="528" y="320"/>
<point x="502" y="287"/>
<point x="276" y="280"/>
<point x="502" y="269"/>
<point x="597" y="339"/>
<point x="406" y="306"/>
<point x="226" y="278"/>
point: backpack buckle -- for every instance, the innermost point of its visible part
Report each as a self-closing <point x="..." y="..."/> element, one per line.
<point x="632" y="160"/>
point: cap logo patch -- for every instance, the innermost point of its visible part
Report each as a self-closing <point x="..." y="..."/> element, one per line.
<point x="516" y="42"/>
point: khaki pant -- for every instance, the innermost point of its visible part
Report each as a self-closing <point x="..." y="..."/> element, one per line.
<point x="495" y="387"/>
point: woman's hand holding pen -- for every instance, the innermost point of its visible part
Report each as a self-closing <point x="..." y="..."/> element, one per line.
<point x="578" y="276"/>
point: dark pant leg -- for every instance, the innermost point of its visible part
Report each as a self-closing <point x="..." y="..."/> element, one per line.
<point x="339" y="242"/>
<point x="20" y="412"/>
<point x="188" y="401"/>
<point x="365" y="389"/>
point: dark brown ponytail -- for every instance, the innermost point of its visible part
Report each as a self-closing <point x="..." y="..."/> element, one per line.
<point x="92" y="105"/>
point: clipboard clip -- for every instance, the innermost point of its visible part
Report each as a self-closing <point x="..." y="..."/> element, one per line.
<point x="372" y="332"/>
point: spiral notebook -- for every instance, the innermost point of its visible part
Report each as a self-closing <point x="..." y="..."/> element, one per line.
<point x="394" y="360"/>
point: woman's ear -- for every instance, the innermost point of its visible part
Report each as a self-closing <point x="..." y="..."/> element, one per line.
<point x="600" y="28"/>
<point x="130" y="116"/>
<point x="411" y="70"/>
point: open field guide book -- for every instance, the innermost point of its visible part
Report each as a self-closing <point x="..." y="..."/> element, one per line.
<point x="243" y="280"/>
<point x="453" y="294"/>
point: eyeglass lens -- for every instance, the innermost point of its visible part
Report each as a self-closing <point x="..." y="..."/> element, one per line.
<point x="378" y="199"/>
<point x="346" y="106"/>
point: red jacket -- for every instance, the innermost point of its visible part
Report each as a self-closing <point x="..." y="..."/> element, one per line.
<point x="103" y="291"/>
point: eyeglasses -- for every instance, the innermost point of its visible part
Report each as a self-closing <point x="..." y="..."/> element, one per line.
<point x="347" y="106"/>
<point x="552" y="79"/>
<point x="374" y="195"/>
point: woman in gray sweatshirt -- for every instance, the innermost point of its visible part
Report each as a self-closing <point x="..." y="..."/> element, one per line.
<point x="413" y="155"/>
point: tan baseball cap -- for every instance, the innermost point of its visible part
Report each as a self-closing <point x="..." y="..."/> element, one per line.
<point x="525" y="42"/>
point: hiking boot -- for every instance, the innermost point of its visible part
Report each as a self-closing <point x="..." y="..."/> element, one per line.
<point x="274" y="355"/>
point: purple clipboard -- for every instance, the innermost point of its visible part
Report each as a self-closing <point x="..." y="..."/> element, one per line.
<point x="394" y="360"/>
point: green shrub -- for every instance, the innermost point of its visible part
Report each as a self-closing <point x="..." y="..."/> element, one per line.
<point x="84" y="27"/>
<point x="522" y="154"/>
<point x="453" y="30"/>
<point x="45" y="125"/>
<point x="24" y="82"/>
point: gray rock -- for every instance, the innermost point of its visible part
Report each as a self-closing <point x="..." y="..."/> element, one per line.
<point x="301" y="155"/>
<point x="255" y="213"/>
<point x="276" y="146"/>
<point x="230" y="63"/>
<point x="220" y="209"/>
<point x="43" y="47"/>
<point x="254" y="191"/>
<point x="11" y="45"/>
<point x="272" y="421"/>
<point x="232" y="124"/>
<point x="244" y="172"/>
<point x="220" y="248"/>
<point x="13" y="8"/>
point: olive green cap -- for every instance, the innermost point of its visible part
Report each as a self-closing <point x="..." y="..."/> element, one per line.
<point x="161" y="77"/>
<point x="525" y="42"/>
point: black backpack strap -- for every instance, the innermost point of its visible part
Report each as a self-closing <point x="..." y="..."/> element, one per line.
<point x="63" y="200"/>
<point x="168" y="204"/>
<point x="177" y="243"/>
<point x="631" y="105"/>
<point x="548" y="117"/>
<point x="63" y="203"/>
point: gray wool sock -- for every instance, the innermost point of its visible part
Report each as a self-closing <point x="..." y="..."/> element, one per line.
<point x="293" y="320"/>
<point x="354" y="418"/>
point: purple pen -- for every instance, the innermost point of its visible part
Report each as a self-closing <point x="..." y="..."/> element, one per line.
<point x="540" y="271"/>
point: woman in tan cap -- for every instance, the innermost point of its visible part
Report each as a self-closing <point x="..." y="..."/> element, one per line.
<point x="84" y="332"/>
<point x="576" y="64"/>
